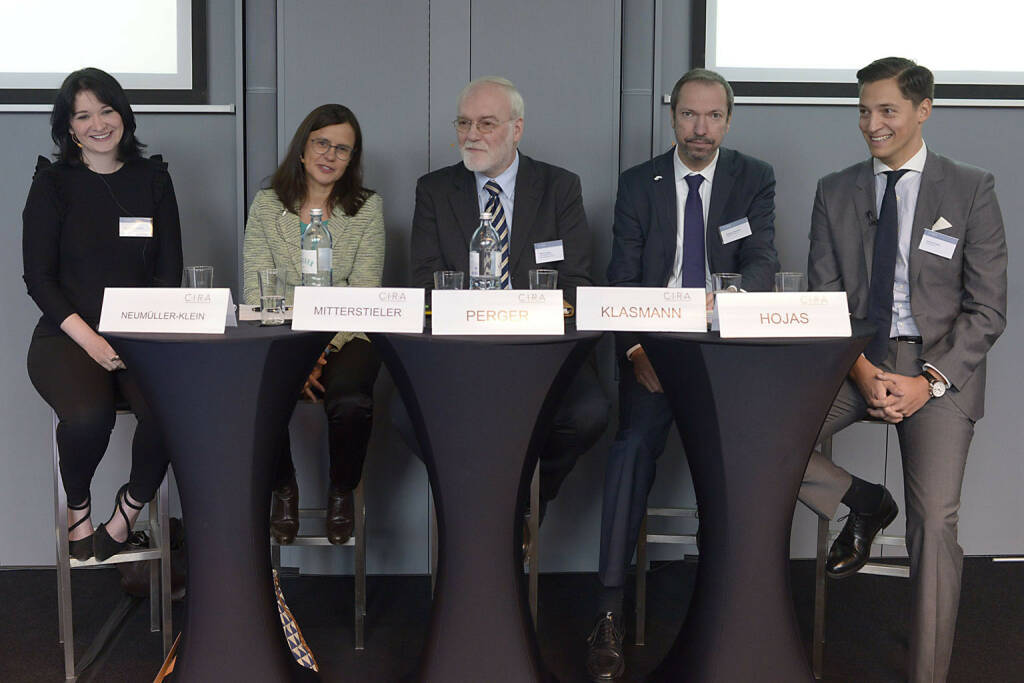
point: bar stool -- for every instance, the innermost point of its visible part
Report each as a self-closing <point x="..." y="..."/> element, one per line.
<point x="159" y="558"/>
<point x="357" y="541"/>
<point x="641" y="558"/>
<point x="826" y="534"/>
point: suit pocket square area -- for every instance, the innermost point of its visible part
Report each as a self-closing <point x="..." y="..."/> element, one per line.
<point x="941" y="224"/>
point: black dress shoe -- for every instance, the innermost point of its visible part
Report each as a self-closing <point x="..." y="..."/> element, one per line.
<point x="605" y="661"/>
<point x="284" y="512"/>
<point x="340" y="514"/>
<point x="850" y="550"/>
<point x="105" y="546"/>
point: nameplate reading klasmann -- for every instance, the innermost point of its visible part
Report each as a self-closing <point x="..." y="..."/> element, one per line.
<point x="165" y="309"/>
<point x="784" y="314"/>
<point x="358" y="309"/>
<point x="641" y="309"/>
<point x="502" y="311"/>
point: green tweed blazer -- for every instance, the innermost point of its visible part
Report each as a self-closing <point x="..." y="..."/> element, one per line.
<point x="273" y="236"/>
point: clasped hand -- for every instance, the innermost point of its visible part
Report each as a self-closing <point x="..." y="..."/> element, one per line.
<point x="890" y="396"/>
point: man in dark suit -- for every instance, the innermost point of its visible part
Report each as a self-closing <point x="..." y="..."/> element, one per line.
<point x="539" y="203"/>
<point x="669" y="216"/>
<point x="917" y="242"/>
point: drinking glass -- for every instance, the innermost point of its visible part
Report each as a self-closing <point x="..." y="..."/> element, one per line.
<point x="271" y="296"/>
<point x="199" y="276"/>
<point x="448" y="279"/>
<point x="790" y="282"/>
<point x="543" y="278"/>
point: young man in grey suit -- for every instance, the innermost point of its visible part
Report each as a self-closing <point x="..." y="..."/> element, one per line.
<point x="538" y="203"/>
<point x="916" y="240"/>
<point x="669" y="216"/>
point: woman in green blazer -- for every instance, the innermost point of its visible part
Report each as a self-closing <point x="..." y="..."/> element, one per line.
<point x="323" y="170"/>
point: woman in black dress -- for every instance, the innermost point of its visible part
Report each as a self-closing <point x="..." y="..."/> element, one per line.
<point x="101" y="216"/>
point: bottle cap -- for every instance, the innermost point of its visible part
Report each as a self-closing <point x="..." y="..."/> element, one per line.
<point x="316" y="212"/>
<point x="485" y="215"/>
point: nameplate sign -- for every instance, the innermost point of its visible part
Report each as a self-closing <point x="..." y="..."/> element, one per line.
<point x="783" y="314"/>
<point x="641" y="309"/>
<point x="358" y="309"/>
<point x="504" y="311"/>
<point x="166" y="309"/>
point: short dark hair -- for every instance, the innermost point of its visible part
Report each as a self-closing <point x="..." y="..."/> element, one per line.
<point x="108" y="91"/>
<point x="707" y="76"/>
<point x="289" y="180"/>
<point x="916" y="82"/>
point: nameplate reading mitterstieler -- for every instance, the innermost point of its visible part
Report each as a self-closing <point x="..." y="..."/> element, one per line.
<point x="358" y="309"/>
<point x="502" y="311"/>
<point x="641" y="309"/>
<point x="165" y="309"/>
<point x="783" y="314"/>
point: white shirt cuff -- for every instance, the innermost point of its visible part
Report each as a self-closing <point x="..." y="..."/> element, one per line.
<point x="633" y="349"/>
<point x="929" y="366"/>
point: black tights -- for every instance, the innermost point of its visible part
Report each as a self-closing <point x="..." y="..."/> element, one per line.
<point x="85" y="397"/>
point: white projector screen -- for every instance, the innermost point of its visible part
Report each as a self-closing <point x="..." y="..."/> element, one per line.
<point x="150" y="46"/>
<point x="812" y="48"/>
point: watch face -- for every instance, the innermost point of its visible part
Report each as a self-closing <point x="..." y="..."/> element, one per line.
<point x="938" y="389"/>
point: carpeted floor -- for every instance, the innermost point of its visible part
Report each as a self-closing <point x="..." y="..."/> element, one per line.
<point x="867" y="625"/>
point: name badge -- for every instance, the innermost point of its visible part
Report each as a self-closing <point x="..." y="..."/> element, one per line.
<point x="547" y="252"/>
<point x="938" y="243"/>
<point x="358" y="309"/>
<point x="736" y="230"/>
<point x="135" y="226"/>
<point x="505" y="311"/>
<point x="166" y="309"/>
<point x="783" y="314"/>
<point x="641" y="309"/>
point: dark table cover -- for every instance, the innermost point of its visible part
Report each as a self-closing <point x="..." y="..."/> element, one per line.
<point x="481" y="408"/>
<point x="749" y="412"/>
<point x="222" y="402"/>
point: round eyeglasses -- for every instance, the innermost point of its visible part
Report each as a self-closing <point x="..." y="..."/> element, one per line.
<point x="322" y="145"/>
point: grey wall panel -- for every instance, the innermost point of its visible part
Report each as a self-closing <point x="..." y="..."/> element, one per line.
<point x="449" y="72"/>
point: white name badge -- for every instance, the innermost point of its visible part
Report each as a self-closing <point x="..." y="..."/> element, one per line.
<point x="504" y="311"/>
<point x="548" y="252"/>
<point x="783" y="314"/>
<point x="166" y="309"/>
<point x="736" y="230"/>
<point x="135" y="226"/>
<point x="938" y="243"/>
<point x="641" y="309"/>
<point x="358" y="309"/>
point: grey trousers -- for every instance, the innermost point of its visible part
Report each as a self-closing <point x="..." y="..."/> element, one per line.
<point x="933" y="443"/>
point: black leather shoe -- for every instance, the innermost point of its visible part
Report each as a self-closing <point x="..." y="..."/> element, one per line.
<point x="605" y="661"/>
<point x="340" y="514"/>
<point x="850" y="550"/>
<point x="284" y="512"/>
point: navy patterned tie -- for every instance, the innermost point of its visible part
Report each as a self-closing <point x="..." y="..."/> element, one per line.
<point x="883" y="270"/>
<point x="693" y="235"/>
<point x="501" y="227"/>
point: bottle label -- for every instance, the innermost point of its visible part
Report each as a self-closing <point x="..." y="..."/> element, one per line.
<point x="309" y="261"/>
<point x="324" y="257"/>
<point x="474" y="264"/>
<point x="496" y="264"/>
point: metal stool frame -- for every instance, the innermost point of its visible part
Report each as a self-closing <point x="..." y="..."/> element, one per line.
<point x="641" y="558"/>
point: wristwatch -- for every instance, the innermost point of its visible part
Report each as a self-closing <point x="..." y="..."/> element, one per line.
<point x="936" y="387"/>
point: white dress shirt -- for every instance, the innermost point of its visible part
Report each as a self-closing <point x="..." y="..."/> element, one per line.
<point x="682" y="192"/>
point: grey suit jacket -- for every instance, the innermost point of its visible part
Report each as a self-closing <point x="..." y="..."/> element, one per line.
<point x="273" y="236"/>
<point x="958" y="304"/>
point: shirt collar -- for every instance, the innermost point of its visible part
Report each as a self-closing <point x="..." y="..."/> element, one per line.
<point x="682" y="170"/>
<point x="914" y="163"/>
<point x="506" y="179"/>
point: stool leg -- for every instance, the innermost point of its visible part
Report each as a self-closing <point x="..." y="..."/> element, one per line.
<point x="360" y="566"/>
<point x="164" y="522"/>
<point x="154" y="570"/>
<point x="818" y="637"/>
<point x="641" y="583"/>
<point x="66" y="634"/>
<point x="533" y="552"/>
<point x="432" y="540"/>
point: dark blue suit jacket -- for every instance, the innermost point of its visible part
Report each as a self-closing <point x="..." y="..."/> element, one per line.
<point x="644" y="245"/>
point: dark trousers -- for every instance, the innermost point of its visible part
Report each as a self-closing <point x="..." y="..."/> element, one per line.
<point x="580" y="421"/>
<point x="85" y="396"/>
<point x="348" y="379"/>
<point x="644" y="422"/>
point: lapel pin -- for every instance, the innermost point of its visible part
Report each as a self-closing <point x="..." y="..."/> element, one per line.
<point x="657" y="178"/>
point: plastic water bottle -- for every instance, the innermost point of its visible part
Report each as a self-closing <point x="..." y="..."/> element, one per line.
<point x="317" y="250"/>
<point x="485" y="256"/>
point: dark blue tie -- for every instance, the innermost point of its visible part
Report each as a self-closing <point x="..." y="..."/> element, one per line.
<point x="883" y="269"/>
<point x="501" y="227"/>
<point x="693" y="235"/>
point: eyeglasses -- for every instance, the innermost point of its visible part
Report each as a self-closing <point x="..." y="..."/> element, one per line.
<point x="322" y="145"/>
<point x="485" y="126"/>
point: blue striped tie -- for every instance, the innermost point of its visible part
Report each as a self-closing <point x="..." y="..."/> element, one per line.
<point x="501" y="227"/>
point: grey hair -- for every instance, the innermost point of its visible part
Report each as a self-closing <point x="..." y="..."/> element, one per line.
<point x="515" y="98"/>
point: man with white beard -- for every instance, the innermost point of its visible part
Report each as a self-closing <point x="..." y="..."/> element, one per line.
<point x="538" y="213"/>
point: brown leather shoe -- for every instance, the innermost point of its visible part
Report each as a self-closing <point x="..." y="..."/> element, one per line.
<point x="284" y="512"/>
<point x="340" y="514"/>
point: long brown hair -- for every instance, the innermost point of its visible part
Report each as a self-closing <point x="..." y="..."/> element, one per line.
<point x="289" y="180"/>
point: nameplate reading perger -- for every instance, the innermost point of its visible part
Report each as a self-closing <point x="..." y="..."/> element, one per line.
<point x="502" y="311"/>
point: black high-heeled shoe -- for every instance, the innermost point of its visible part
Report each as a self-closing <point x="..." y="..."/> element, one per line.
<point x="82" y="548"/>
<point x="103" y="544"/>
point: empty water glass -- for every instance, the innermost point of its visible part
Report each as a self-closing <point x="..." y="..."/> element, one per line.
<point x="199" y="277"/>
<point x="790" y="282"/>
<point x="448" y="279"/>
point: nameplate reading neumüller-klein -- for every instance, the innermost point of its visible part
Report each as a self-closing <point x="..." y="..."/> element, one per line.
<point x="165" y="309"/>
